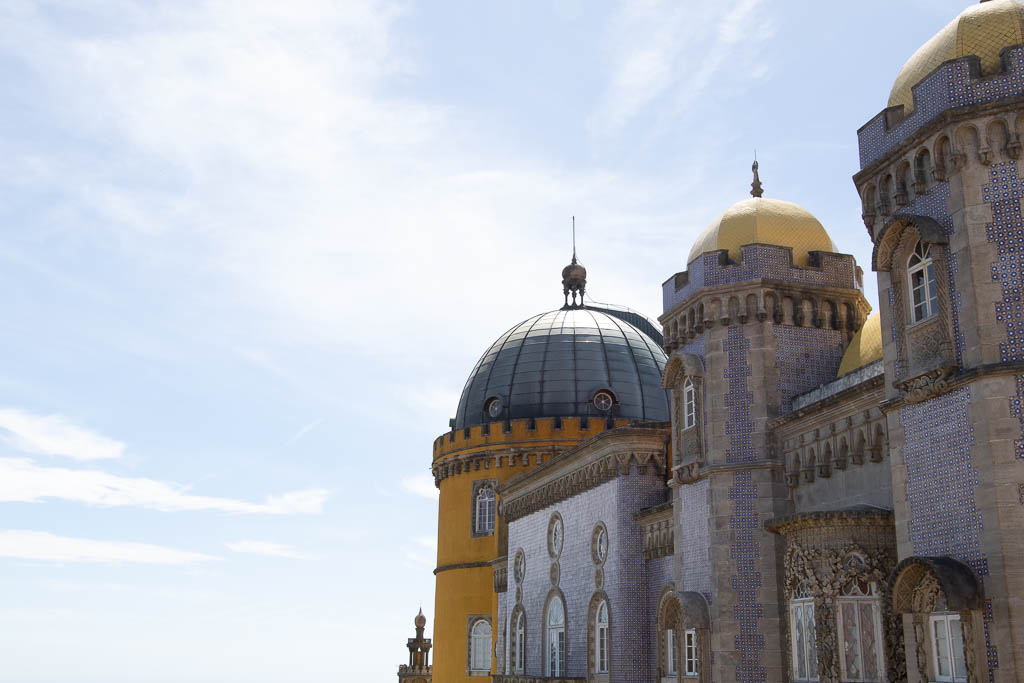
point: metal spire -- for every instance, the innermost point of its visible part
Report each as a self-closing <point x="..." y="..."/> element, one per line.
<point x="755" y="187"/>
<point x="574" y="239"/>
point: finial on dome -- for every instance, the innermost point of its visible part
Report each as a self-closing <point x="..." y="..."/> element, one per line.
<point x="574" y="276"/>
<point x="755" y="187"/>
<point x="420" y="620"/>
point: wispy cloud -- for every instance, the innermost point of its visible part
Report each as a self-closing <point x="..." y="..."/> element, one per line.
<point x="24" y="481"/>
<point x="40" y="545"/>
<point x="266" y="548"/>
<point x="55" y="435"/>
<point x="306" y="429"/>
<point x="667" y="54"/>
<point x="421" y="484"/>
<point x="417" y="555"/>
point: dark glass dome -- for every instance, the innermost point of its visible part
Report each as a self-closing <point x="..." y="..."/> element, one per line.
<point x="555" y="363"/>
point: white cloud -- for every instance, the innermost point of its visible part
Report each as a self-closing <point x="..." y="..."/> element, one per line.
<point x="266" y="548"/>
<point x="667" y="54"/>
<point x="56" y="435"/>
<point x="306" y="429"/>
<point x="421" y="484"/>
<point x="417" y="558"/>
<point x="40" y="545"/>
<point x="24" y="481"/>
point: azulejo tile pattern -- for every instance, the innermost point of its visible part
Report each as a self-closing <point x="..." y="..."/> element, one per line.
<point x="941" y="482"/>
<point x="739" y="426"/>
<point x="696" y="537"/>
<point x="805" y="358"/>
<point x="760" y="261"/>
<point x="745" y="552"/>
<point x="949" y="86"/>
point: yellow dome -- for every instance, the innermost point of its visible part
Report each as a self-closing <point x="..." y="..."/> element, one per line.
<point x="764" y="221"/>
<point x="866" y="346"/>
<point x="983" y="30"/>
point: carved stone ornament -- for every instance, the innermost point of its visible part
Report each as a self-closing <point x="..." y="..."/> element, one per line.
<point x="822" y="573"/>
<point x="924" y="386"/>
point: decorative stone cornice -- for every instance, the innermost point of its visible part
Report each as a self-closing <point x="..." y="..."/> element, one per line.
<point x="592" y="463"/>
<point x="948" y="382"/>
<point x="500" y="567"/>
<point x="847" y="517"/>
<point x="462" y="565"/>
<point x="658" y="531"/>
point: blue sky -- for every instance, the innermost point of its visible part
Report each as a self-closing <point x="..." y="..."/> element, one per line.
<point x="251" y="250"/>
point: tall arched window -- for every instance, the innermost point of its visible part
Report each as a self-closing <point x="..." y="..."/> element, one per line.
<point x="860" y="632"/>
<point x="601" y="639"/>
<point x="555" y="646"/>
<point x="805" y="652"/>
<point x="485" y="510"/>
<point x="519" y="643"/>
<point x="689" y="404"/>
<point x="923" y="292"/>
<point x="480" y="647"/>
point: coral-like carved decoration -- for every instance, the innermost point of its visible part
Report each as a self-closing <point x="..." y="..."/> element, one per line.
<point x="924" y="387"/>
<point x="822" y="572"/>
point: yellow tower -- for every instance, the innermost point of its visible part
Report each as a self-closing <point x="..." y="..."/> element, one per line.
<point x="544" y="386"/>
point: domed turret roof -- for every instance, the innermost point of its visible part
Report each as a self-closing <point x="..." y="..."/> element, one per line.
<point x="765" y="221"/>
<point x="555" y="363"/>
<point x="865" y="347"/>
<point x="983" y="29"/>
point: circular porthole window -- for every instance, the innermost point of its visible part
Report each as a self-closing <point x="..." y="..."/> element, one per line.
<point x="493" y="407"/>
<point x="603" y="400"/>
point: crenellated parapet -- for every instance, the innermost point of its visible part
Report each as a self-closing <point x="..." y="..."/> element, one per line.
<point x="764" y="286"/>
<point x="952" y="91"/>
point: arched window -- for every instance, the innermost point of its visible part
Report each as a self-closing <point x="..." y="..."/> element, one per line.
<point x="923" y="292"/>
<point x="480" y="647"/>
<point x="519" y="643"/>
<point x="601" y="639"/>
<point x="947" y="648"/>
<point x="485" y="510"/>
<point x="555" y="646"/>
<point x="860" y="632"/>
<point x="689" y="404"/>
<point x="802" y="631"/>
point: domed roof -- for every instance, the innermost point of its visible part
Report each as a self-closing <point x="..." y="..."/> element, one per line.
<point x="553" y="365"/>
<point x="866" y="346"/>
<point x="983" y="29"/>
<point x="766" y="221"/>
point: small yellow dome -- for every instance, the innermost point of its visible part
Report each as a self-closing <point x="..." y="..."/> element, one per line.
<point x="764" y="221"/>
<point x="983" y="29"/>
<point x="866" y="346"/>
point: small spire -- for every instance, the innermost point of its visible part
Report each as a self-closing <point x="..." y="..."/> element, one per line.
<point x="574" y="276"/>
<point x="755" y="187"/>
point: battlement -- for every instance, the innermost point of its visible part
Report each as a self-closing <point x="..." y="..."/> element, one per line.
<point x="955" y="84"/>
<point x="760" y="262"/>
<point x="525" y="432"/>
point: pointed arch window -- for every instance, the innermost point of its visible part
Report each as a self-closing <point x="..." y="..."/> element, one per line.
<point x="601" y="639"/>
<point x="519" y="643"/>
<point x="923" y="291"/>
<point x="860" y="633"/>
<point x="689" y="404"/>
<point x="802" y="630"/>
<point x="555" y="645"/>
<point x="480" y="647"/>
<point x="485" y="510"/>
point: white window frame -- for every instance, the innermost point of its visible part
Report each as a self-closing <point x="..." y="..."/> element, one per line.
<point x="519" y="663"/>
<point x="799" y="608"/>
<point x="480" y="647"/>
<point x="689" y="404"/>
<point x="690" y="657"/>
<point x="928" y="304"/>
<point x="871" y="598"/>
<point x="485" y="504"/>
<point x="601" y="638"/>
<point x="555" y="637"/>
<point x="947" y="622"/>
<point x="671" y="656"/>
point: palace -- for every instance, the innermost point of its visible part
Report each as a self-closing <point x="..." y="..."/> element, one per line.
<point x="771" y="483"/>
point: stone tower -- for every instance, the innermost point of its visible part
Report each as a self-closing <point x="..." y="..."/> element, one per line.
<point x="418" y="670"/>
<point x="763" y="312"/>
<point x="941" y="186"/>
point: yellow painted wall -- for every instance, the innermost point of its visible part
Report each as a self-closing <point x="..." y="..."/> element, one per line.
<point x="465" y="591"/>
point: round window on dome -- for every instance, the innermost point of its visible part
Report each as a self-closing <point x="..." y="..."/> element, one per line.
<point x="493" y="406"/>
<point x="604" y="400"/>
